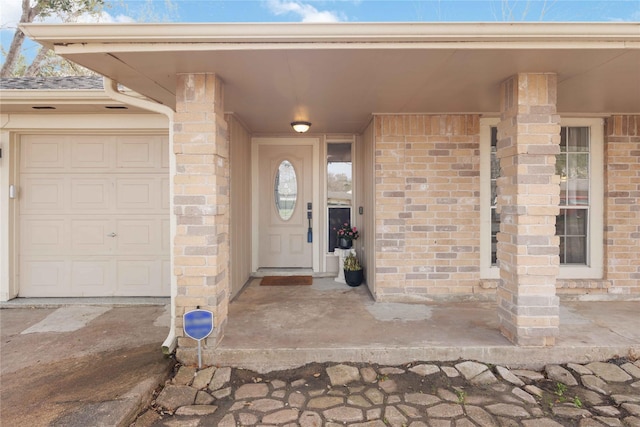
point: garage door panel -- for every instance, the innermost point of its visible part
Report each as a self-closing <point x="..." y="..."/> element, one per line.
<point x="43" y="278"/>
<point x="43" y="152"/>
<point x="164" y="152"/>
<point x="138" y="152"/>
<point x="138" y="236"/>
<point x="165" y="277"/>
<point x="91" y="194"/>
<point x="138" y="194"/>
<point x="91" y="153"/>
<point x="164" y="185"/>
<point x="165" y="232"/>
<point x="136" y="277"/>
<point x="92" y="236"/>
<point x="91" y="277"/>
<point x="41" y="236"/>
<point x="41" y="194"/>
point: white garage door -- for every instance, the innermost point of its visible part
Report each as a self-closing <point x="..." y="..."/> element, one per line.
<point x="94" y="215"/>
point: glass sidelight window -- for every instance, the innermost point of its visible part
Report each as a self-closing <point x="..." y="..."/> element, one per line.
<point x="339" y="188"/>
<point x="495" y="217"/>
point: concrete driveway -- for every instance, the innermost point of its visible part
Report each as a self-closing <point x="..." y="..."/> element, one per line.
<point x="80" y="365"/>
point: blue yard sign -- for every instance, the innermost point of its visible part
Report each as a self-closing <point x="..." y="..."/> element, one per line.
<point x="198" y="324"/>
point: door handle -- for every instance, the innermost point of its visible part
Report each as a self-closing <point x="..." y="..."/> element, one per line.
<point x="112" y="235"/>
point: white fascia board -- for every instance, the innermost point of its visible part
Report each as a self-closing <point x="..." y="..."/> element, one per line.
<point x="97" y="123"/>
<point x="70" y="49"/>
<point x="296" y="33"/>
<point x="29" y="97"/>
<point x="26" y="96"/>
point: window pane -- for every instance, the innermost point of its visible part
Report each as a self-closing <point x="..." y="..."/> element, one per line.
<point x="560" y="223"/>
<point x="575" y="250"/>
<point x="285" y="190"/>
<point x="576" y="222"/>
<point x="577" y="192"/>
<point x="561" y="170"/>
<point x="495" y="228"/>
<point x="577" y="183"/>
<point x="495" y="163"/>
<point x="563" y="139"/>
<point x="494" y="193"/>
<point x="571" y="226"/>
<point x="339" y="174"/>
<point x="561" y="165"/>
<point x="578" y="166"/>
<point x="578" y="139"/>
<point x="337" y="217"/>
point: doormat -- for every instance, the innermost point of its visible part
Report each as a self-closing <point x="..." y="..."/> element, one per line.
<point x="286" y="281"/>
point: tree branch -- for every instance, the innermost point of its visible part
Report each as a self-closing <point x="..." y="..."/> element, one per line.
<point x="34" y="69"/>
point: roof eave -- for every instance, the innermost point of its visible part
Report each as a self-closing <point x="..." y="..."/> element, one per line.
<point x="251" y="33"/>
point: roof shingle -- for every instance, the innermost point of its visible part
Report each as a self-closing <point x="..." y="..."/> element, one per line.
<point x="52" y="83"/>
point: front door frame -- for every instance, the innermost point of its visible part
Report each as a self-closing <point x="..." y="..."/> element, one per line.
<point x="315" y="176"/>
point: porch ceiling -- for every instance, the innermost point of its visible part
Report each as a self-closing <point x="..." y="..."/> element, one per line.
<point x="336" y="76"/>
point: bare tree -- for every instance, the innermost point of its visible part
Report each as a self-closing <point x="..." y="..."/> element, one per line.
<point x="510" y="9"/>
<point x="66" y="10"/>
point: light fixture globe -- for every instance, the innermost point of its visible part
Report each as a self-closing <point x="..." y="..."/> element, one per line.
<point x="300" y="126"/>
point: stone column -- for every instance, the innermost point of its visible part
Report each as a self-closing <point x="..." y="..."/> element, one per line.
<point x="201" y="206"/>
<point x="528" y="203"/>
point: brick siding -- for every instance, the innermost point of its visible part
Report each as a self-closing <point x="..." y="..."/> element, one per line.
<point x="427" y="184"/>
<point x="622" y="204"/>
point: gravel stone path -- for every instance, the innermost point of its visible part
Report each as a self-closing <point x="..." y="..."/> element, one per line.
<point x="462" y="394"/>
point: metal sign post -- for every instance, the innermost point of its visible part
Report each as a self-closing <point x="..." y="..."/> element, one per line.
<point x="198" y="324"/>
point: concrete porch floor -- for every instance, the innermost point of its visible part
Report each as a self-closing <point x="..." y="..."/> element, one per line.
<point x="281" y="327"/>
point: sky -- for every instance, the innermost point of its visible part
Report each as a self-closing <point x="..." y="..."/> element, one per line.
<point x="344" y="11"/>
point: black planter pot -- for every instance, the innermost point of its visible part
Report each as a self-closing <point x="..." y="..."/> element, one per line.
<point x="354" y="278"/>
<point x="344" y="243"/>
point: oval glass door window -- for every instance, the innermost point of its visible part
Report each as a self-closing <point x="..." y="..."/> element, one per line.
<point x="286" y="190"/>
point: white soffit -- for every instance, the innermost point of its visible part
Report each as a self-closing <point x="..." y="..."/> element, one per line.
<point x="336" y="75"/>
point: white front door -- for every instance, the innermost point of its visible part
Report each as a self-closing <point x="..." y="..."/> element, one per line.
<point x="285" y="191"/>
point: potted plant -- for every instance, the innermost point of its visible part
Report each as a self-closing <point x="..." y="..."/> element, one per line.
<point x="346" y="235"/>
<point x="353" y="272"/>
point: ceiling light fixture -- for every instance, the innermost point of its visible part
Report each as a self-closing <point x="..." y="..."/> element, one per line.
<point x="300" y="126"/>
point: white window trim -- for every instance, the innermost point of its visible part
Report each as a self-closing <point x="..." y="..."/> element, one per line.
<point x="594" y="268"/>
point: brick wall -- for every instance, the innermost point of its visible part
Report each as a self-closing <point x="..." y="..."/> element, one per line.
<point x="427" y="184"/>
<point x="622" y="204"/>
<point x="427" y="244"/>
<point x="201" y="205"/>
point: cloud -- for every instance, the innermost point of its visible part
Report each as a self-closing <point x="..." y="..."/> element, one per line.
<point x="306" y="12"/>
<point x="105" y="17"/>
<point x="10" y="14"/>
